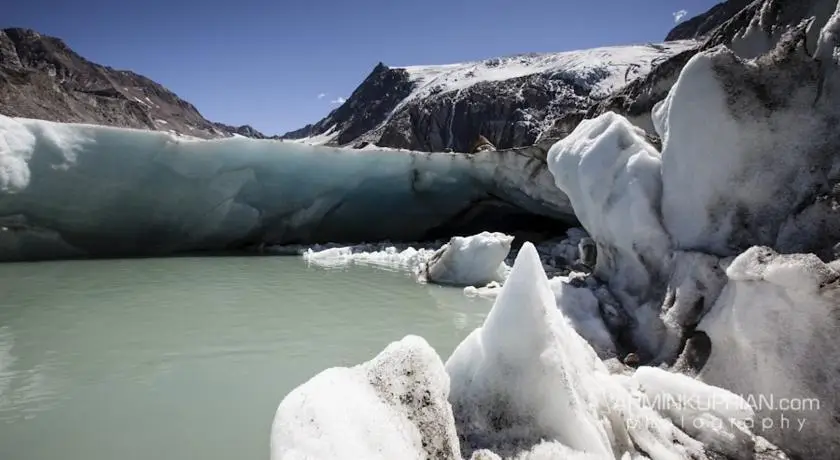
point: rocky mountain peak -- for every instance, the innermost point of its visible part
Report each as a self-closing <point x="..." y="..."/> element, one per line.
<point x="42" y="77"/>
<point x="510" y="100"/>
<point x="368" y="106"/>
<point x="702" y="25"/>
<point x="750" y="32"/>
<point x="518" y="100"/>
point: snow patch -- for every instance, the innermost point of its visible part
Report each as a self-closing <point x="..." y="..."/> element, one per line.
<point x="609" y="63"/>
<point x="321" y="139"/>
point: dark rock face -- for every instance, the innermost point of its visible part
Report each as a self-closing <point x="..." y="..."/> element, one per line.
<point x="368" y="106"/>
<point x="41" y="77"/>
<point x="563" y="125"/>
<point x="509" y="114"/>
<point x="757" y="28"/>
<point x="751" y="31"/>
<point x="701" y="25"/>
<point x="520" y="111"/>
<point x="638" y="98"/>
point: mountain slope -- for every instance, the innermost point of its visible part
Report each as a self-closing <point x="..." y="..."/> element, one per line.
<point x="509" y="100"/>
<point x="41" y="77"/>
<point x="750" y="32"/>
<point x="703" y="24"/>
<point x="518" y="100"/>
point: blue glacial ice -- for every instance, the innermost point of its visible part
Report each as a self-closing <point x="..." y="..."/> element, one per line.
<point x="81" y="190"/>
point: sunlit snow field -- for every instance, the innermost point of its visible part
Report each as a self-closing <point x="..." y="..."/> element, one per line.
<point x="187" y="358"/>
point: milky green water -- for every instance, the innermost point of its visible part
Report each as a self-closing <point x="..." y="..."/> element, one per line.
<point x="187" y="358"/>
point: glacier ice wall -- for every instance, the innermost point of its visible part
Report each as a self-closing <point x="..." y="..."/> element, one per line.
<point x="750" y="162"/>
<point x="772" y="174"/>
<point x="774" y="340"/>
<point x="612" y="176"/>
<point x="68" y="190"/>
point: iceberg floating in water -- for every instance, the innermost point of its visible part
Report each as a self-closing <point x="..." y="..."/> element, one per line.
<point x="464" y="260"/>
<point x="407" y="257"/>
<point x="69" y="190"/>
<point x="469" y="260"/>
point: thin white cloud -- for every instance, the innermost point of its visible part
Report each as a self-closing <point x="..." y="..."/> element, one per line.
<point x="679" y="15"/>
<point x="322" y="95"/>
<point x="339" y="100"/>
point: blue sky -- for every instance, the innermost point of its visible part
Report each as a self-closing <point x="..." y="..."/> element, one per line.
<point x="265" y="62"/>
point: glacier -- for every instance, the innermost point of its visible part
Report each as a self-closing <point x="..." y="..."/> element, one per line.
<point x="722" y="249"/>
<point x="773" y="334"/>
<point x="407" y="257"/>
<point x="716" y="283"/>
<point x="510" y="390"/>
<point x="70" y="190"/>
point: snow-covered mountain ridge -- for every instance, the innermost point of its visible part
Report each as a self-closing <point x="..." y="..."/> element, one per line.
<point x="518" y="100"/>
<point x="511" y="100"/>
<point x="601" y="69"/>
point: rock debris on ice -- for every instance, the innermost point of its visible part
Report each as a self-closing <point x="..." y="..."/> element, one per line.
<point x="392" y="407"/>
